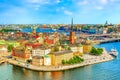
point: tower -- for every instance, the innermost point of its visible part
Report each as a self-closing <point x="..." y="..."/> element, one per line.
<point x="34" y="31"/>
<point x="72" y="34"/>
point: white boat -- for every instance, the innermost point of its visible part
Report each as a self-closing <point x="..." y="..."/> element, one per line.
<point x="113" y="52"/>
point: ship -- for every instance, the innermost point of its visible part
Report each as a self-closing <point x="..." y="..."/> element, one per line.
<point x="113" y="52"/>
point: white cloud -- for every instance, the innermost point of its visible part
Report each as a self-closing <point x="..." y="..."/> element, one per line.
<point x="104" y="1"/>
<point x="67" y="12"/>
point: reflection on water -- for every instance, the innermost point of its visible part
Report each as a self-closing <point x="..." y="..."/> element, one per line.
<point x="24" y="74"/>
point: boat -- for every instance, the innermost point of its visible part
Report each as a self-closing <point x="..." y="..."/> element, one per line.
<point x="113" y="52"/>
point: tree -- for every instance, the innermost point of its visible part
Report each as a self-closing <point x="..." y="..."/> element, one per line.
<point x="96" y="51"/>
<point x="56" y="49"/>
<point x="74" y="60"/>
<point x="63" y="61"/>
<point x="110" y="30"/>
<point x="9" y="48"/>
<point x="29" y="61"/>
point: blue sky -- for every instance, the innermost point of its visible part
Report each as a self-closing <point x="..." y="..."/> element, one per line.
<point x="59" y="11"/>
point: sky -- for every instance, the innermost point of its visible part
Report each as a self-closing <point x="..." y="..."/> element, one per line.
<point x="59" y="11"/>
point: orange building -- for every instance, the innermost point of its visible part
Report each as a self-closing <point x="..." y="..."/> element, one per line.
<point x="57" y="57"/>
<point x="72" y="38"/>
<point x="72" y="34"/>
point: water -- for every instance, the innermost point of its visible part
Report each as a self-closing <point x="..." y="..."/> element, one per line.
<point x="102" y="71"/>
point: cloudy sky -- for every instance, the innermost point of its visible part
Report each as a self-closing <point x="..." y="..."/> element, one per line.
<point x="59" y="11"/>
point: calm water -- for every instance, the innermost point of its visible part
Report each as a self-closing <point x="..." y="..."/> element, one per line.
<point x="102" y="71"/>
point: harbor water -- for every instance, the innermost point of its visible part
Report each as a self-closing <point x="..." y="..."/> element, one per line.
<point x="102" y="71"/>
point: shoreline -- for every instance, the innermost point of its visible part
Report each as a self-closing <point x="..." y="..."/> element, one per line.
<point x="96" y="42"/>
<point x="89" y="59"/>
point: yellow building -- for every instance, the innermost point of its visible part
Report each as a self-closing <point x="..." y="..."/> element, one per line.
<point x="87" y="46"/>
<point x="57" y="57"/>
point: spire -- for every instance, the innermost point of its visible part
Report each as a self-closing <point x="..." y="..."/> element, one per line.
<point x="72" y="25"/>
<point x="106" y="23"/>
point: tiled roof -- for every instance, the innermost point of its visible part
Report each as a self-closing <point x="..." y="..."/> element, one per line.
<point x="62" y="52"/>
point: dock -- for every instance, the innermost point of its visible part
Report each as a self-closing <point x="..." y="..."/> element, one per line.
<point x="2" y="60"/>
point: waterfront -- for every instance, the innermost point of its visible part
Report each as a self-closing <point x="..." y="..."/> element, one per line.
<point x="101" y="71"/>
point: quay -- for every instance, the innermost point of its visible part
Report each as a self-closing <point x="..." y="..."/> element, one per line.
<point x="106" y="41"/>
<point x="2" y="60"/>
<point x="110" y="40"/>
<point x="89" y="59"/>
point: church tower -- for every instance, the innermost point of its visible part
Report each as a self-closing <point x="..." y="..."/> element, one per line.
<point x="72" y="34"/>
<point x="34" y="31"/>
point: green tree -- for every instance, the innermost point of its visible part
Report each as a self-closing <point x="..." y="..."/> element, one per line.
<point x="56" y="49"/>
<point x="63" y="61"/>
<point x="29" y="61"/>
<point x="96" y="51"/>
<point x="9" y="48"/>
<point x="74" y="60"/>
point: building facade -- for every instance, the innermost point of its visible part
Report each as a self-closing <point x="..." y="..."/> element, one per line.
<point x="57" y="57"/>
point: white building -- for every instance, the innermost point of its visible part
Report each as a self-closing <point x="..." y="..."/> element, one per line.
<point x="47" y="60"/>
<point x="40" y="52"/>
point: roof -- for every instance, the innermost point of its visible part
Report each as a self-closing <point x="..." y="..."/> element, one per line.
<point x="62" y="52"/>
<point x="37" y="57"/>
<point x="41" y="47"/>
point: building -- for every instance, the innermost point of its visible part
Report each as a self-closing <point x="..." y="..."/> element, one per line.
<point x="87" y="46"/>
<point x="47" y="60"/>
<point x="3" y="50"/>
<point x="37" y="60"/>
<point x="77" y="49"/>
<point x="40" y="51"/>
<point x="21" y="53"/>
<point x="72" y="34"/>
<point x="57" y="57"/>
<point x="32" y="45"/>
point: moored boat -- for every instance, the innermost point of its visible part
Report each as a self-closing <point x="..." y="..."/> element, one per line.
<point x="113" y="52"/>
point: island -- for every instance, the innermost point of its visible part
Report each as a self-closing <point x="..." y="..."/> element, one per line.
<point x="46" y="49"/>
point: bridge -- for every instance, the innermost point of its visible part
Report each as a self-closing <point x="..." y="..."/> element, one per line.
<point x="99" y="35"/>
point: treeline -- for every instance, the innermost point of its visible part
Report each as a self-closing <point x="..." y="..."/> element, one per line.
<point x="74" y="60"/>
<point x="96" y="51"/>
<point x="8" y="30"/>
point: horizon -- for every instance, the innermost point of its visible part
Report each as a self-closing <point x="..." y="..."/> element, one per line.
<point x="59" y="11"/>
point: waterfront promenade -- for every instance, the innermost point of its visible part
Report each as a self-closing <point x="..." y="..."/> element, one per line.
<point x="107" y="40"/>
<point x="89" y="59"/>
<point x="2" y="60"/>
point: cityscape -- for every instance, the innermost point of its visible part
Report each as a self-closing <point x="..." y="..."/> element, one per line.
<point x="69" y="47"/>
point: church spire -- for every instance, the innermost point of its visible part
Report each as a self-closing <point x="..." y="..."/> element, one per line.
<point x="72" y="25"/>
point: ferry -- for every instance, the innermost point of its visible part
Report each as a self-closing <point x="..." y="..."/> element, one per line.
<point x="113" y="52"/>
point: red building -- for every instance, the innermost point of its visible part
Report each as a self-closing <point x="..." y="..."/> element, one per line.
<point x="33" y="45"/>
<point x="20" y="53"/>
